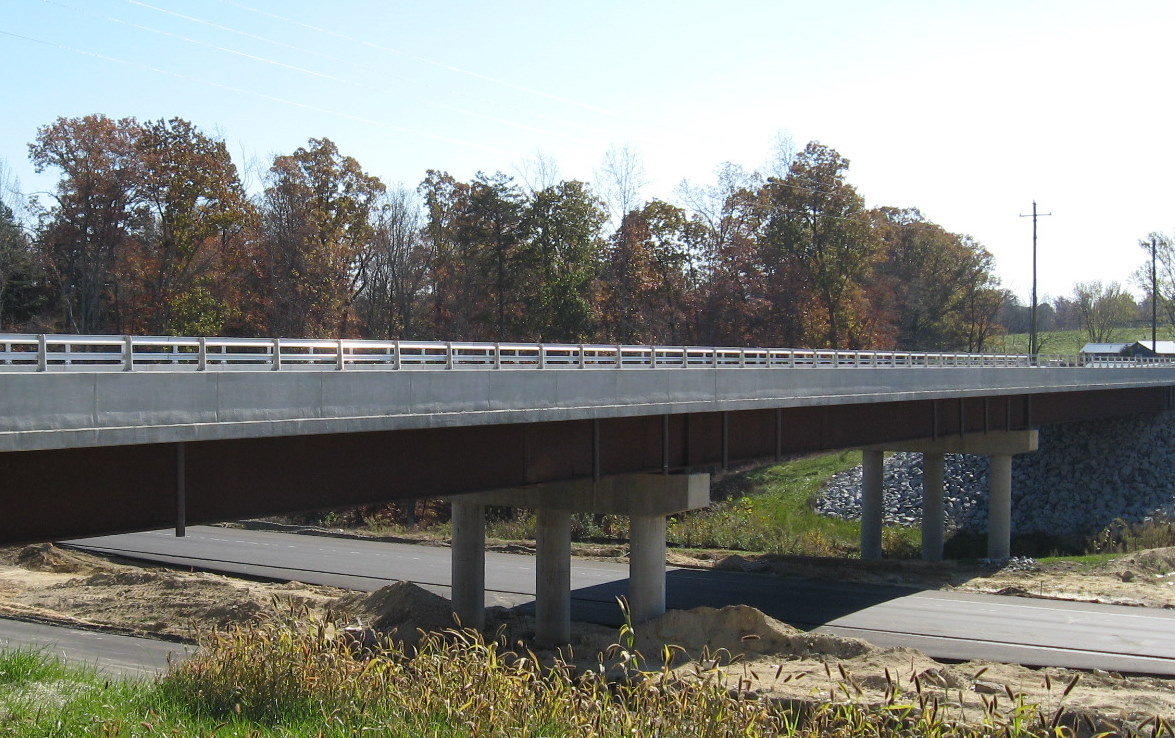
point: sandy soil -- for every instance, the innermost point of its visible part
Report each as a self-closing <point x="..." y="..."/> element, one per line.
<point x="751" y="651"/>
<point x="1144" y="579"/>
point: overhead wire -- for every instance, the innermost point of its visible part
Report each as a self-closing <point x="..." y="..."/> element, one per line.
<point x="314" y="73"/>
<point x="255" y="93"/>
<point x="443" y="106"/>
<point x="461" y="70"/>
<point x="237" y="31"/>
<point x="423" y="59"/>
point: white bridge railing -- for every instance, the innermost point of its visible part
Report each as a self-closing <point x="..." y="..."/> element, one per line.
<point x="34" y="352"/>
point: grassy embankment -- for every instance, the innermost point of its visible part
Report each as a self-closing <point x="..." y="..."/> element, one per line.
<point x="281" y="679"/>
<point x="1068" y="343"/>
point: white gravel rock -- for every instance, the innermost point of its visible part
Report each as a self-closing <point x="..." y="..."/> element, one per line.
<point x="1084" y="477"/>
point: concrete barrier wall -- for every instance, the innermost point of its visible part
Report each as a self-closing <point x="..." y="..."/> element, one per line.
<point x="62" y="410"/>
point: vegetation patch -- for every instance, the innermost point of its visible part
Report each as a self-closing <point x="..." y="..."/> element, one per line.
<point x="309" y="677"/>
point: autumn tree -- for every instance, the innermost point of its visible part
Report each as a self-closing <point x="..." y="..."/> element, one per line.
<point x="85" y="234"/>
<point x="980" y="298"/>
<point x="731" y="285"/>
<point x="477" y="233"/>
<point x="316" y="239"/>
<point x="819" y="240"/>
<point x="192" y="206"/>
<point x="932" y="282"/>
<point x="1104" y="309"/>
<point x="397" y="272"/>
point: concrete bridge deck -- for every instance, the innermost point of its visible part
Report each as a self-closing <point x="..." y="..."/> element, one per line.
<point x="77" y="391"/>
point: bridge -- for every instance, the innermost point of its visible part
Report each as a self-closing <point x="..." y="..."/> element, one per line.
<point x="104" y="434"/>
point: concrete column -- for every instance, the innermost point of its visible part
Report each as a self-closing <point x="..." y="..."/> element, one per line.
<point x="646" y="566"/>
<point x="553" y="579"/>
<point x="933" y="514"/>
<point x="872" y="503"/>
<point x="999" y="512"/>
<point x="468" y="559"/>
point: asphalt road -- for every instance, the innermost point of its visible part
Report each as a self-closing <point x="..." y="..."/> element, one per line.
<point x="945" y="625"/>
<point x="117" y="655"/>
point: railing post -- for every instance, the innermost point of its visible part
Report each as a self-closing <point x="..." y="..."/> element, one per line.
<point x="714" y="356"/>
<point x="542" y="356"/>
<point x="582" y="356"/>
<point x="396" y="354"/>
<point x="340" y="360"/>
<point x="276" y="365"/>
<point x="42" y="353"/>
<point x="497" y="355"/>
<point x="652" y="357"/>
<point x="448" y="354"/>
<point x="619" y="356"/>
<point x="202" y="355"/>
<point x="742" y="358"/>
<point x="128" y="354"/>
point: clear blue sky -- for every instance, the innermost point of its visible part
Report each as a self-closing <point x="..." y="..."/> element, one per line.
<point x="965" y="110"/>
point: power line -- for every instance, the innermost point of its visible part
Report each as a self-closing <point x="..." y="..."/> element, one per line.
<point x="1032" y="347"/>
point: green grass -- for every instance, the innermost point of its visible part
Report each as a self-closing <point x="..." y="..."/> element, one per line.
<point x="771" y="510"/>
<point x="1084" y="560"/>
<point x="1068" y="343"/>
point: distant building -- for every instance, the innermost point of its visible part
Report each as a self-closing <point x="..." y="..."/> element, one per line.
<point x="1159" y="348"/>
<point x="1094" y="350"/>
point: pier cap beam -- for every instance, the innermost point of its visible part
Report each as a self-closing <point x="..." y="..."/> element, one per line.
<point x="992" y="443"/>
<point x="629" y="494"/>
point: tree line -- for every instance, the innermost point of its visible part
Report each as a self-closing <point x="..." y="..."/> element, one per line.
<point x="150" y="230"/>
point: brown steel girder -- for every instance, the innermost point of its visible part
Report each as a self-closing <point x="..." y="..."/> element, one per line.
<point x="52" y="495"/>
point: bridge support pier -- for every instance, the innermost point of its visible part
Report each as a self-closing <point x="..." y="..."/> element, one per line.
<point x="872" y="503"/>
<point x="645" y="498"/>
<point x="552" y="623"/>
<point x="1000" y="446"/>
<point x="933" y="512"/>
<point x="999" y="513"/>
<point x="646" y="566"/>
<point x="467" y="560"/>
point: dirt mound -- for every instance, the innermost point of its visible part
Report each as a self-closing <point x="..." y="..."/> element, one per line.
<point x="740" y="630"/>
<point x="121" y="578"/>
<point x="50" y="558"/>
<point x="1153" y="560"/>
<point x="402" y="608"/>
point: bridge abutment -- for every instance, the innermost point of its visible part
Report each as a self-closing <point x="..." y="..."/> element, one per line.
<point x="647" y="499"/>
<point x="1000" y="446"/>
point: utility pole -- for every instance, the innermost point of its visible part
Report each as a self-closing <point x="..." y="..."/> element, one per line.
<point x="1032" y="344"/>
<point x="1154" y="298"/>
